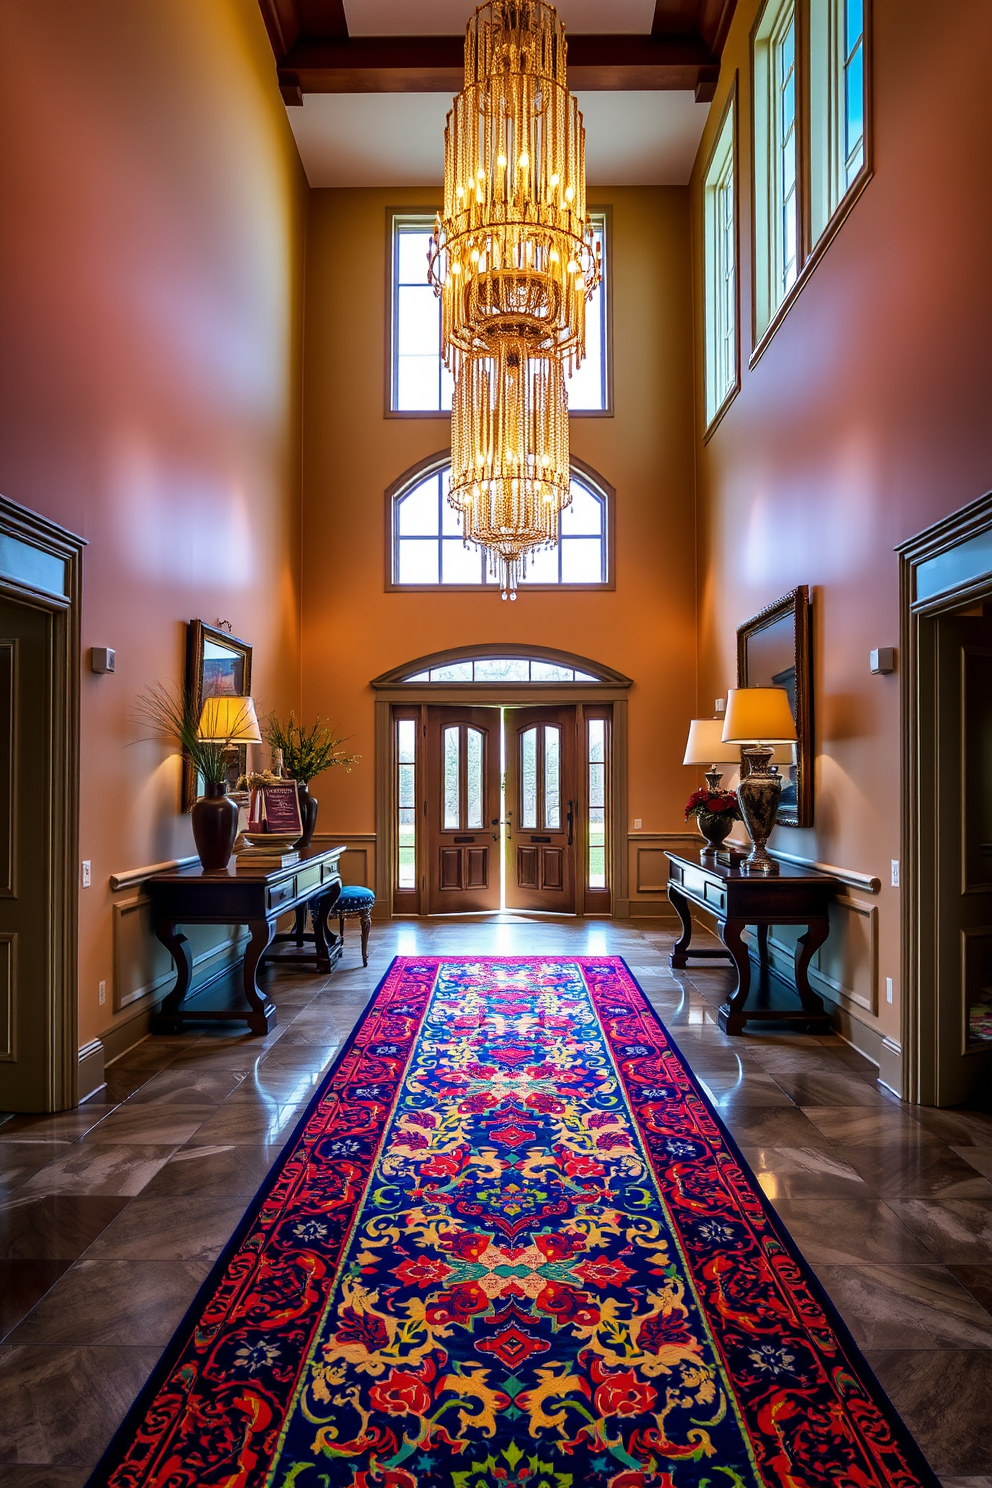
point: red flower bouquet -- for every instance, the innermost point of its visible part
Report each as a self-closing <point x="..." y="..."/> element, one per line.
<point x="715" y="813"/>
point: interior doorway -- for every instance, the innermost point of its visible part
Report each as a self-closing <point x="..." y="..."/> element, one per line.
<point x="40" y="570"/>
<point x="947" y="817"/>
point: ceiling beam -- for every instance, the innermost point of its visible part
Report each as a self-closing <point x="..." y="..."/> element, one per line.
<point x="435" y="64"/>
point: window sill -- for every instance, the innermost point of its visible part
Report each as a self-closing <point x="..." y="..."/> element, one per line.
<point x="819" y="248"/>
<point x="717" y="418"/>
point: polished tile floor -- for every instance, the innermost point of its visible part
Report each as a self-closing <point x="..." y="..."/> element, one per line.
<point x="110" y="1216"/>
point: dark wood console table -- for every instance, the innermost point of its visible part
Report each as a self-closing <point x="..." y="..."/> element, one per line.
<point x="231" y="896"/>
<point x="795" y="896"/>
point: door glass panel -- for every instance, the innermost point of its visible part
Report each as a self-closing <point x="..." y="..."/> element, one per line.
<point x="528" y="778"/>
<point x="473" y="787"/>
<point x="406" y="754"/>
<point x="451" y="792"/>
<point x="596" y="834"/>
<point x="552" y="778"/>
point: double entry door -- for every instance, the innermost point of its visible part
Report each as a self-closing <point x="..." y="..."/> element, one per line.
<point x="501" y="809"/>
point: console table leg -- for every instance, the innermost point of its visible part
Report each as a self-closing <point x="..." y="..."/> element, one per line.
<point x="177" y="945"/>
<point x="681" y="906"/>
<point x="263" y="1012"/>
<point x="366" y="921"/>
<point x="806" y="948"/>
<point x="318" y="918"/>
<point x="731" y="1016"/>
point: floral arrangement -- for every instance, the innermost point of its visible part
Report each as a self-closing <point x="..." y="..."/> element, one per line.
<point x="718" y="802"/>
<point x="255" y="778"/>
<point x="306" y="750"/>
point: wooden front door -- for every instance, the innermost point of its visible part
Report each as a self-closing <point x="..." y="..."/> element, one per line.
<point x="963" y="750"/>
<point x="542" y="805"/>
<point x="463" y="809"/>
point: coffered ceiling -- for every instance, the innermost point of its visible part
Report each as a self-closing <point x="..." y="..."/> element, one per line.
<point x="643" y="70"/>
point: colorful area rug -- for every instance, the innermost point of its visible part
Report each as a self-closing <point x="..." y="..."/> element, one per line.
<point x="511" y="1243"/>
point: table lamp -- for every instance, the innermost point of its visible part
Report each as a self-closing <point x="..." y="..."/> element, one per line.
<point x="705" y="746"/>
<point x="759" y="718"/>
<point x="229" y="720"/>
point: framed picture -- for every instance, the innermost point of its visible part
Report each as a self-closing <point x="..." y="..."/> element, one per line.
<point x="217" y="665"/>
<point x="774" y="650"/>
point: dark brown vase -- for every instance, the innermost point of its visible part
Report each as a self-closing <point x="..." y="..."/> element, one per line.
<point x="215" y="826"/>
<point x="308" y="812"/>
<point x="715" y="827"/>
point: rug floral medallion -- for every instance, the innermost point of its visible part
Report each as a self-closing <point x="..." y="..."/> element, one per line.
<point x="512" y="1245"/>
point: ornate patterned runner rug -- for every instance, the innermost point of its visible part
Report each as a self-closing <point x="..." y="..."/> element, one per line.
<point x="511" y="1243"/>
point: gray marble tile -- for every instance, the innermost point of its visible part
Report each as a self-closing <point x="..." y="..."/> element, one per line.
<point x="19" y="1161"/>
<point x="188" y="1087"/>
<point x="957" y="1127"/>
<point x="53" y="1226"/>
<point x="266" y="1124"/>
<point x="917" y="1167"/>
<point x="227" y="1171"/>
<point x="107" y="1302"/>
<point x="943" y="1396"/>
<point x="42" y="1477"/>
<point x="838" y="1089"/>
<point x="64" y="1126"/>
<point x="745" y="1090"/>
<point x="983" y="1482"/>
<point x="847" y="1231"/>
<point x="906" y="1307"/>
<point x="99" y="1168"/>
<point x="772" y="1126"/>
<point x="60" y="1407"/>
<point x="956" y="1231"/>
<point x="803" y="1172"/>
<point x="181" y="1227"/>
<point x="156" y="1125"/>
<point x="854" y="1126"/>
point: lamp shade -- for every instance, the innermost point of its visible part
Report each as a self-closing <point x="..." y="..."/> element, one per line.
<point x="229" y="720"/>
<point x="758" y="715"/>
<point x="705" y="744"/>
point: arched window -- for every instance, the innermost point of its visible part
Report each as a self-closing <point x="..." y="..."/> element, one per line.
<point x="426" y="549"/>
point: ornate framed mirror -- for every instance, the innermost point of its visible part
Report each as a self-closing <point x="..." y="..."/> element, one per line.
<point x="217" y="664"/>
<point x="774" y="650"/>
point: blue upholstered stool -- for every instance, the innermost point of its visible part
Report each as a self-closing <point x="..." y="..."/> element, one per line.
<point x="354" y="900"/>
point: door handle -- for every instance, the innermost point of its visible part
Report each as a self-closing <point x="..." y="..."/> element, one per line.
<point x="570" y="820"/>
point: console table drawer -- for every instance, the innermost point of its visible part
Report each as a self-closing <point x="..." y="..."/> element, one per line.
<point x="330" y="873"/>
<point x="307" y="880"/>
<point x="694" y="882"/>
<point x="281" y="893"/>
<point x="716" y="896"/>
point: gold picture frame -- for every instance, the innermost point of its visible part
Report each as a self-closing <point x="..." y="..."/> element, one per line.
<point x="216" y="663"/>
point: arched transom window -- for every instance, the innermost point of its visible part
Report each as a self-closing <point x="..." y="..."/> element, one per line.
<point x="427" y="550"/>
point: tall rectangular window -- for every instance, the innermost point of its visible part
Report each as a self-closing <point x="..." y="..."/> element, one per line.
<point x="720" y="252"/>
<point x="406" y="803"/>
<point x="418" y="379"/>
<point x="837" y="105"/>
<point x="596" y="784"/>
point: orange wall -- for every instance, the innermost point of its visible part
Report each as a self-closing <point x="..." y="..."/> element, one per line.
<point x="150" y="272"/>
<point x="353" y="630"/>
<point x="865" y="419"/>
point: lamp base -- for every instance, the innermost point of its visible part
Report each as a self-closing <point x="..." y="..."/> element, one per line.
<point x="758" y="795"/>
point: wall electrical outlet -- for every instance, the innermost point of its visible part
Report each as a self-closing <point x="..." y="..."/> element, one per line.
<point x="888" y="989"/>
<point x="895" y="873"/>
<point x="637" y="823"/>
<point x="102" y="994"/>
<point x="87" y="874"/>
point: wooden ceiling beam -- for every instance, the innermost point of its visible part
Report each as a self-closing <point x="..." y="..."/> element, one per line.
<point x="435" y="64"/>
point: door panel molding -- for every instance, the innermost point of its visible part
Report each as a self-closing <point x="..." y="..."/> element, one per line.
<point x="58" y="554"/>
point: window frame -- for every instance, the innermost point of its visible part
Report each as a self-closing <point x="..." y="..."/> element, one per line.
<point x="427" y="215"/>
<point x="435" y="463"/>
<point x="811" y="245"/>
<point x="712" y="323"/>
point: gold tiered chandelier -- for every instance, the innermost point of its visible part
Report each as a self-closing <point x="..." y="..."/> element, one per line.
<point x="513" y="261"/>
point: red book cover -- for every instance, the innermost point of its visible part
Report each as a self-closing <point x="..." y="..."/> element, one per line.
<point x="276" y="808"/>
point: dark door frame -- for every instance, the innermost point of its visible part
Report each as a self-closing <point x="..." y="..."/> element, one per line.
<point x="391" y="689"/>
<point x="941" y="569"/>
<point x="41" y="568"/>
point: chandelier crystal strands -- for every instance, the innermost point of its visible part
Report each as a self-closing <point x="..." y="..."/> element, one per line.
<point x="514" y="263"/>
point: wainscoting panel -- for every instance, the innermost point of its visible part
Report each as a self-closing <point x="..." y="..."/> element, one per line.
<point x="358" y="861"/>
<point x="844" y="971"/>
<point x="648" y="871"/>
<point x="143" y="967"/>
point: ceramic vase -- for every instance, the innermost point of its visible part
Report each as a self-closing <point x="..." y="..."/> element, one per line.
<point x="715" y="826"/>
<point x="215" y="826"/>
<point x="308" y="813"/>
